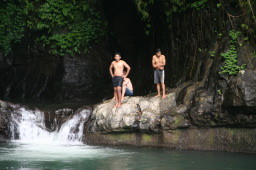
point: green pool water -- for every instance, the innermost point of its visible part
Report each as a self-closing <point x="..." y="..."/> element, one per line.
<point x="16" y="155"/>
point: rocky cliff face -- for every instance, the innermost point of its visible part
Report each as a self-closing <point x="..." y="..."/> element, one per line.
<point x="40" y="75"/>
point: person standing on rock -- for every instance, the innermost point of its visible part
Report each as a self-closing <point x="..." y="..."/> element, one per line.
<point x="118" y="77"/>
<point x="158" y="63"/>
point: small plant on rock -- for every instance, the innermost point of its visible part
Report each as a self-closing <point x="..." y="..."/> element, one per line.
<point x="219" y="91"/>
<point x="212" y="54"/>
<point x="231" y="66"/>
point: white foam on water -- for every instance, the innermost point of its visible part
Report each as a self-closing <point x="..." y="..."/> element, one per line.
<point x="20" y="151"/>
<point x="36" y="143"/>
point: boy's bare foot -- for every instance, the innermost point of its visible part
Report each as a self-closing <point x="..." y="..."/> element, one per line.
<point x="122" y="99"/>
<point x="118" y="106"/>
<point x="164" y="96"/>
<point x="158" y="95"/>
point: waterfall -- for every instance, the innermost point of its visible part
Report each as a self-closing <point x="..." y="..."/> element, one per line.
<point x="28" y="126"/>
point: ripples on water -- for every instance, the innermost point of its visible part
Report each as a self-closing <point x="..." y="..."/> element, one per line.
<point x="65" y="156"/>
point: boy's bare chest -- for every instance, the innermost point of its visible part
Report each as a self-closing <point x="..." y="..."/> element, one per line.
<point x="118" y="65"/>
<point x="159" y="60"/>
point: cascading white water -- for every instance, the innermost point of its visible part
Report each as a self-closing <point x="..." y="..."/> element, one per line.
<point x="30" y="127"/>
<point x="32" y="142"/>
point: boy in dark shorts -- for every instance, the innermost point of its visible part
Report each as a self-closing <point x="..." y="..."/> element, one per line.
<point x="118" y="76"/>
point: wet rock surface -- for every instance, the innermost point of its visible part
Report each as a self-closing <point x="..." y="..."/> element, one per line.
<point x="213" y="139"/>
<point x="3" y="121"/>
<point x="6" y="109"/>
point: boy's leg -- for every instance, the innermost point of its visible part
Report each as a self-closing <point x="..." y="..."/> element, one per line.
<point x="115" y="96"/>
<point x="163" y="88"/>
<point x="119" y="96"/>
<point x="162" y="83"/>
<point x="157" y="82"/>
<point x="158" y="90"/>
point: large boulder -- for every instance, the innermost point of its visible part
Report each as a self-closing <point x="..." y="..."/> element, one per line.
<point x="136" y="113"/>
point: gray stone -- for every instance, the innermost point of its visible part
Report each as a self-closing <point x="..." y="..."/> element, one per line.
<point x="143" y="113"/>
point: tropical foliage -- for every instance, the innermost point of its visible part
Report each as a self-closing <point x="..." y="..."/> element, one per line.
<point x="231" y="66"/>
<point x="63" y="26"/>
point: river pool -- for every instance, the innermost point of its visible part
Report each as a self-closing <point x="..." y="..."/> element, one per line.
<point x="18" y="155"/>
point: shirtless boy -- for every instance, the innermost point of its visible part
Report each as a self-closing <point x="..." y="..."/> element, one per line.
<point x="118" y="76"/>
<point x="158" y="63"/>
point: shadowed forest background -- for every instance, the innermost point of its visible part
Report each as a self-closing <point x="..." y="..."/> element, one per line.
<point x="62" y="49"/>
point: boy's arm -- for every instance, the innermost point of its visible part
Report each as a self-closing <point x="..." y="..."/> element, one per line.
<point x="128" y="69"/>
<point x="164" y="61"/>
<point x="153" y="63"/>
<point x="111" y="70"/>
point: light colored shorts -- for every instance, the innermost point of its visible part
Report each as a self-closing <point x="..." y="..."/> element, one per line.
<point x="158" y="76"/>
